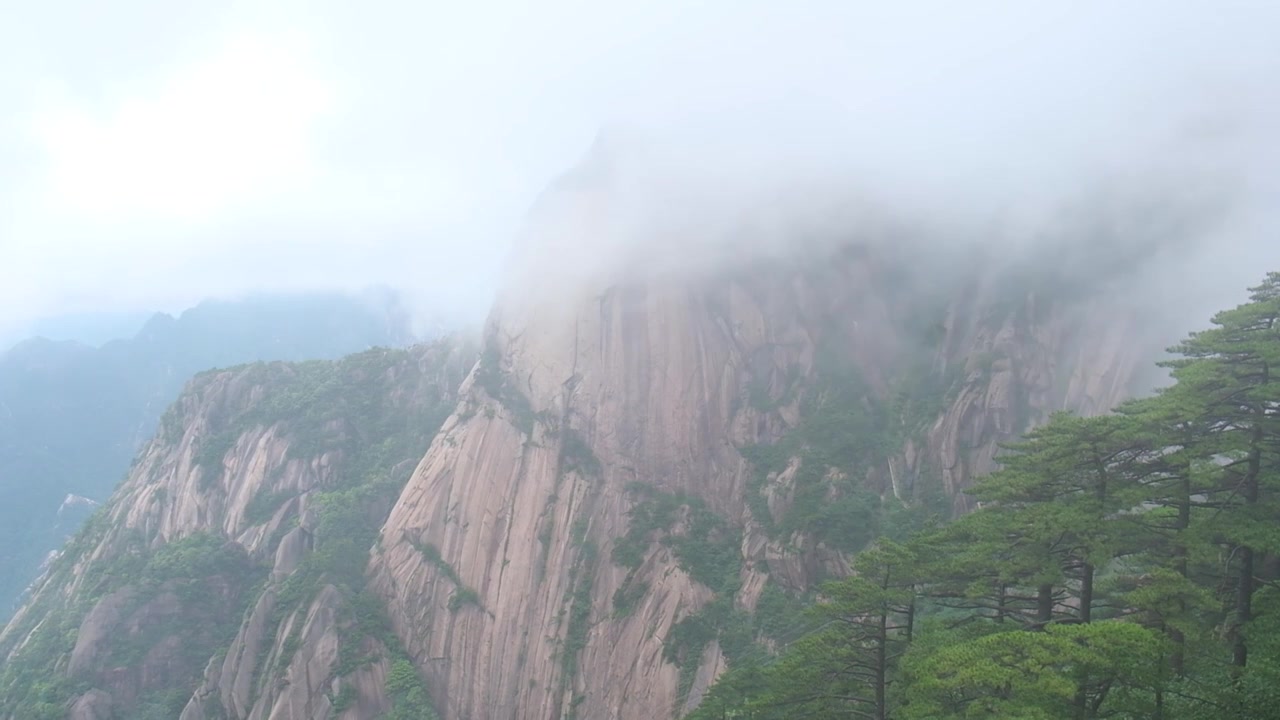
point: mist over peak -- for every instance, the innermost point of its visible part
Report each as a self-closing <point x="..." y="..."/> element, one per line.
<point x="441" y="127"/>
<point x="1115" y="146"/>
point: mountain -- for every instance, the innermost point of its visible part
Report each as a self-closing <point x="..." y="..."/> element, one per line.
<point x="635" y="483"/>
<point x="633" y="473"/>
<point x="72" y="417"/>
<point x="94" y="329"/>
<point x="223" y="576"/>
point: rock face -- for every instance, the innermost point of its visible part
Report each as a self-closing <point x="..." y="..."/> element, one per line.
<point x="73" y="416"/>
<point x="293" y="674"/>
<point x="637" y="466"/>
<point x="587" y="390"/>
<point x="222" y="580"/>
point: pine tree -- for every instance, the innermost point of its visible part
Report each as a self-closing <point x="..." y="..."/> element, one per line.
<point x="1020" y="674"/>
<point x="847" y="667"/>
<point x="1168" y="580"/>
<point x="1126" y="565"/>
<point x="1229" y="388"/>
<point x="1068" y="487"/>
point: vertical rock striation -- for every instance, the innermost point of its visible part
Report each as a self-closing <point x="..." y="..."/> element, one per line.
<point x="498" y="564"/>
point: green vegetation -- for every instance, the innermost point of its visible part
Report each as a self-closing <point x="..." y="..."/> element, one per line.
<point x="688" y="639"/>
<point x="193" y="557"/>
<point x="576" y="455"/>
<point x="759" y="398"/>
<point x="654" y="512"/>
<point x="920" y="393"/>
<point x="211" y="580"/>
<point x="462" y="595"/>
<point x="31" y="686"/>
<point x="842" y="434"/>
<point x="345" y="698"/>
<point x="73" y="414"/>
<point x="708" y="549"/>
<point x="374" y="415"/>
<point x="366" y="620"/>
<point x="579" y="612"/>
<point x="335" y="406"/>
<point x="346" y="409"/>
<point x="264" y="504"/>
<point x="162" y="704"/>
<point x="500" y="386"/>
<point x="547" y="523"/>
<point x="210" y="455"/>
<point x="579" y="622"/>
<point x="845" y="431"/>
<point x="1122" y="566"/>
<point x="779" y="614"/>
<point x="290" y="646"/>
<point x="627" y="595"/>
<point x="409" y="697"/>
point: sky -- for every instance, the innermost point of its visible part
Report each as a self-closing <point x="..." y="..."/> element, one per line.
<point x="153" y="154"/>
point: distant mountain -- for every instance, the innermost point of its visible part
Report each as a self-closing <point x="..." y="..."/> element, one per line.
<point x="94" y="328"/>
<point x="73" y="416"/>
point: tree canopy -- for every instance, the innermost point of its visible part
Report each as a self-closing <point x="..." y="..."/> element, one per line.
<point x="1119" y="566"/>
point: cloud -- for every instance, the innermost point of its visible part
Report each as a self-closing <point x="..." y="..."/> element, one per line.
<point x="289" y="145"/>
<point x="1116" y="141"/>
<point x="237" y="127"/>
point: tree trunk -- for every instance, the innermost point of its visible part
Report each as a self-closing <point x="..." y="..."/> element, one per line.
<point x="1244" y="608"/>
<point x="1086" y="593"/>
<point x="1086" y="615"/>
<point x="1245" y="585"/>
<point x="1044" y="605"/>
<point x="1178" y="661"/>
<point x="881" y="660"/>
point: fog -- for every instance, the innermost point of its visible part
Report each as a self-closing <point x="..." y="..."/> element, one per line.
<point x="156" y="154"/>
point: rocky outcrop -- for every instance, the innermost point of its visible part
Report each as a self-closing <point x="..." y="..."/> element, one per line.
<point x="1018" y="369"/>
<point x="591" y="383"/>
<point x="222" y="580"/>
<point x="145" y="639"/>
<point x="93" y="705"/>
<point x="292" y="675"/>
<point x="72" y="417"/>
<point x="638" y="461"/>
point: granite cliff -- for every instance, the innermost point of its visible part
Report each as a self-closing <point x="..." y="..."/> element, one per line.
<point x="223" y="578"/>
<point x="638" y="459"/>
<point x="630" y="485"/>
<point x="72" y="417"/>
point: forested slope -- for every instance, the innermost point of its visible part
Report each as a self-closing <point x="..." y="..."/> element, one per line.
<point x="225" y="576"/>
<point x="72" y="417"/>
<point x="1124" y="565"/>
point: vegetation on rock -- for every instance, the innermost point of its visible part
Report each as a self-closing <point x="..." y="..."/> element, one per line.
<point x="372" y="416"/>
<point x="76" y="415"/>
<point x="1120" y="566"/>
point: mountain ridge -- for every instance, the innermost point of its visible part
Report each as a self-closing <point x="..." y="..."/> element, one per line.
<point x="666" y="385"/>
<point x="252" y="488"/>
<point x="627" y="487"/>
<point x="72" y="416"/>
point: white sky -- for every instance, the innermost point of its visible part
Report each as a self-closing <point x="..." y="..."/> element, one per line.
<point x="154" y="153"/>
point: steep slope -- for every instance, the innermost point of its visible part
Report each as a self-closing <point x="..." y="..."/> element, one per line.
<point x="637" y="460"/>
<point x="72" y="416"/>
<point x="635" y="486"/>
<point x="224" y="577"/>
